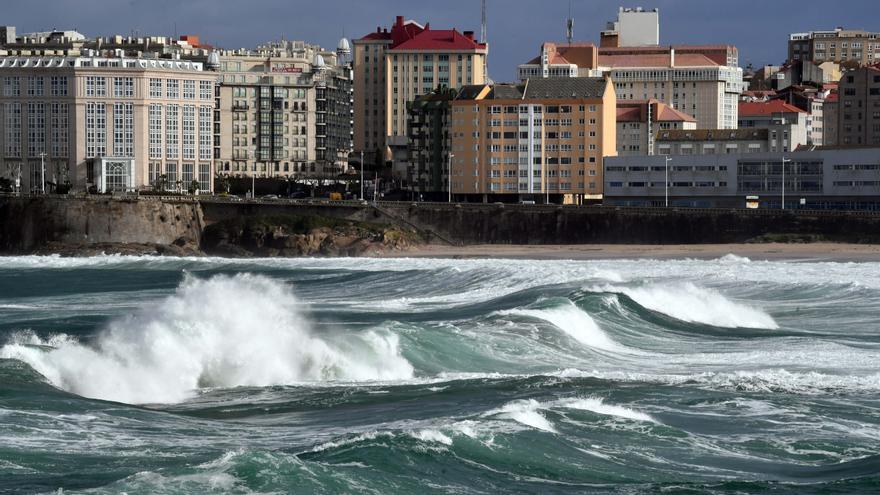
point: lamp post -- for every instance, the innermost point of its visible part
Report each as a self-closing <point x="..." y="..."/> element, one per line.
<point x="254" y="182"/>
<point x="362" y="175"/>
<point x="43" y="172"/>
<point x="666" y="182"/>
<point x="784" y="161"/>
<point x="449" y="172"/>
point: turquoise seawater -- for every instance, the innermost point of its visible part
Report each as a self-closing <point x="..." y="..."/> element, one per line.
<point x="147" y="375"/>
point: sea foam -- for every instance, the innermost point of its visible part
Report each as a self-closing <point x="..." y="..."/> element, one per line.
<point x="575" y="322"/>
<point x="242" y="330"/>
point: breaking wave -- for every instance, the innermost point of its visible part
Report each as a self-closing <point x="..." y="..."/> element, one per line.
<point x="243" y="330"/>
<point x="689" y="303"/>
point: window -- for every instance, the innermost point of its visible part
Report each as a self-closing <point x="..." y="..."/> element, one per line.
<point x="205" y="133"/>
<point x="189" y="90"/>
<point x="96" y="86"/>
<point x="60" y="133"/>
<point x="187" y="175"/>
<point x="205" y="176"/>
<point x="58" y="85"/>
<point x="155" y="88"/>
<point x="35" y="86"/>
<point x="172" y="139"/>
<point x="189" y="133"/>
<point x="96" y="129"/>
<point x="117" y="178"/>
<point x="13" y="129"/>
<point x="36" y="129"/>
<point x="11" y="86"/>
<point x="155" y="131"/>
<point x="123" y="87"/>
<point x="123" y="129"/>
<point x="172" y="88"/>
<point x="205" y="90"/>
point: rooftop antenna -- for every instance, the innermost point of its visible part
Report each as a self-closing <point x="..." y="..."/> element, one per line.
<point x="484" y="39"/>
<point x="569" y="25"/>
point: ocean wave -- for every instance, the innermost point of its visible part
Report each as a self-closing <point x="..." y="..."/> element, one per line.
<point x="690" y="303"/>
<point x="225" y="331"/>
<point x="574" y="322"/>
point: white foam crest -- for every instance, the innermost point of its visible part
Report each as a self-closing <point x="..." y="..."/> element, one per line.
<point x="598" y="406"/>
<point x="223" y="332"/>
<point x="687" y="302"/>
<point x="524" y="412"/>
<point x="575" y="322"/>
<point x="433" y="436"/>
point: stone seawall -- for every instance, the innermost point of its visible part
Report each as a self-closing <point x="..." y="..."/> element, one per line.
<point x="32" y="224"/>
<point x="506" y="224"/>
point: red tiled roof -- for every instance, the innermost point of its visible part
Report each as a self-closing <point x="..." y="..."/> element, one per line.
<point x="753" y="109"/>
<point x="442" y="39"/>
<point x="410" y="35"/>
<point x="655" y="60"/>
<point x="629" y="114"/>
<point x="636" y="110"/>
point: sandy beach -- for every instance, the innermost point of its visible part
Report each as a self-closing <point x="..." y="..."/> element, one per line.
<point x="756" y="252"/>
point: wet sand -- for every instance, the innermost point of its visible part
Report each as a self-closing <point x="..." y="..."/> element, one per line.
<point x="755" y="252"/>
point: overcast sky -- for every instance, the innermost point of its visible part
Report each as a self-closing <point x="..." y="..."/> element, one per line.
<point x="759" y="28"/>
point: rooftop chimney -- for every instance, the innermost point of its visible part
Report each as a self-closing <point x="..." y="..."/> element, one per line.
<point x="399" y="21"/>
<point x="469" y="35"/>
<point x="671" y="56"/>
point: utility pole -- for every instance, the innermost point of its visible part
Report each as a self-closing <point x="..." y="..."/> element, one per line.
<point x="784" y="161"/>
<point x="449" y="173"/>
<point x="43" y="172"/>
<point x="666" y="182"/>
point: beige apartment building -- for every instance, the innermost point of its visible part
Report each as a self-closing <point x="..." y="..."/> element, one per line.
<point x="702" y="81"/>
<point x="106" y="124"/>
<point x="394" y="67"/>
<point x="848" y="47"/>
<point x="541" y="140"/>
<point x="284" y="110"/>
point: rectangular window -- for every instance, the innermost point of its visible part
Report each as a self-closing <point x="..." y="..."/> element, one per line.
<point x="13" y="129"/>
<point x="187" y="175"/>
<point x="11" y="86"/>
<point x="189" y="89"/>
<point x="205" y="114"/>
<point x="123" y="87"/>
<point x="155" y="131"/>
<point x="36" y="129"/>
<point x="123" y="130"/>
<point x="155" y="88"/>
<point x="60" y="132"/>
<point x="96" y="86"/>
<point x="58" y="85"/>
<point x="189" y="132"/>
<point x="96" y="130"/>
<point x="35" y="86"/>
<point x="171" y="174"/>
<point x="205" y="176"/>
<point x="172" y="137"/>
<point x="205" y="90"/>
<point x="172" y="89"/>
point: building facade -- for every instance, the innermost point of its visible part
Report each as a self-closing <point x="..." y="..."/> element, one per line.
<point x="702" y="81"/>
<point x="542" y="140"/>
<point x="787" y="123"/>
<point x="713" y="141"/>
<point x="284" y="110"/>
<point x="825" y="178"/>
<point x="106" y="124"/>
<point x="429" y="141"/>
<point x="633" y="27"/>
<point x="843" y="46"/>
<point x="394" y="67"/>
<point x="639" y="121"/>
<point x="859" y="112"/>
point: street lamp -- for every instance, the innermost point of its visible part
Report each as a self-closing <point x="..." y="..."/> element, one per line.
<point x="666" y="182"/>
<point x="43" y="172"/>
<point x="784" y="161"/>
<point x="449" y="172"/>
